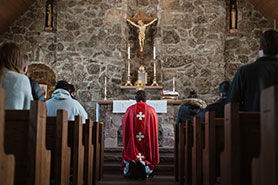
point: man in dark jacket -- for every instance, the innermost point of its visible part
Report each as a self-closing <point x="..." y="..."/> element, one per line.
<point x="251" y="79"/>
<point x="218" y="106"/>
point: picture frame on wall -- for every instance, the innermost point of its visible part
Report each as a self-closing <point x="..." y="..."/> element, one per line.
<point x="44" y="90"/>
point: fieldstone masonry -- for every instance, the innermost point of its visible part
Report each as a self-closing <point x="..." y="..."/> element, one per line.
<point x="90" y="41"/>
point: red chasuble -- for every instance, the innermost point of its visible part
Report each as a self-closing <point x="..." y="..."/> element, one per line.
<point x="140" y="134"/>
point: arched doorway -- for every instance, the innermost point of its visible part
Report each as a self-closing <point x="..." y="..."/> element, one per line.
<point x="44" y="75"/>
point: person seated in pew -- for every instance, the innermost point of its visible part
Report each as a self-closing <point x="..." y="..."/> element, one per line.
<point x="251" y="79"/>
<point x="218" y="106"/>
<point x="191" y="107"/>
<point x="72" y="91"/>
<point x="36" y="89"/>
<point x="61" y="99"/>
<point x="17" y="87"/>
<point x="140" y="139"/>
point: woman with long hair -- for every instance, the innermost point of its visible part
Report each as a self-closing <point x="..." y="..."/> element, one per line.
<point x="16" y="85"/>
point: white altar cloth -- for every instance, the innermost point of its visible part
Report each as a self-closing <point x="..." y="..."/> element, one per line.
<point x="120" y="106"/>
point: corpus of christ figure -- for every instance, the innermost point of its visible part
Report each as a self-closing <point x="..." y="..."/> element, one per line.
<point x="138" y="21"/>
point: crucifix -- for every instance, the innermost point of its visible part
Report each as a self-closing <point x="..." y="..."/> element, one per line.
<point x="141" y="21"/>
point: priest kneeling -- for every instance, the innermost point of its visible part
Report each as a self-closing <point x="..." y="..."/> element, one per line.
<point x="140" y="139"/>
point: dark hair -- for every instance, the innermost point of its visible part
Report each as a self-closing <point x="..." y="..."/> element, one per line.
<point x="224" y="88"/>
<point x="72" y="89"/>
<point x="62" y="84"/>
<point x="11" y="57"/>
<point x="269" y="41"/>
<point x="192" y="94"/>
<point x="140" y="96"/>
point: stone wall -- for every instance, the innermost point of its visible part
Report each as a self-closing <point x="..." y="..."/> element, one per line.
<point x="90" y="41"/>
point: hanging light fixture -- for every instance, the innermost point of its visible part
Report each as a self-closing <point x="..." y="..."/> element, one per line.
<point x="233" y="16"/>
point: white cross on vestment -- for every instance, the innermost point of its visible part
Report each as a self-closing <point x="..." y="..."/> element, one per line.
<point x="140" y="115"/>
<point x="140" y="136"/>
<point x="140" y="157"/>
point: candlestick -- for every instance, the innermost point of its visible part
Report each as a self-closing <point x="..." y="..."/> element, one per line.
<point x="128" y="52"/>
<point x="128" y="83"/>
<point x="154" y="68"/>
<point x="154" y="74"/>
<point x="154" y="53"/>
<point x="174" y="89"/>
<point x="105" y="87"/>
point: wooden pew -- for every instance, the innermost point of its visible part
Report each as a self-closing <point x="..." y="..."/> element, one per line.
<point x="265" y="168"/>
<point x="57" y="142"/>
<point x="242" y="134"/>
<point x="89" y="152"/>
<point x="25" y="133"/>
<point x="76" y="143"/>
<point x="96" y="142"/>
<point x="214" y="145"/>
<point x="58" y="134"/>
<point x="176" y="153"/>
<point x="198" y="137"/>
<point x="185" y="153"/>
<point x="101" y="148"/>
<point x="7" y="162"/>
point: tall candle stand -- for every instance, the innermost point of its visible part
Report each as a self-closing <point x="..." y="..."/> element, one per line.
<point x="154" y="74"/>
<point x="128" y="83"/>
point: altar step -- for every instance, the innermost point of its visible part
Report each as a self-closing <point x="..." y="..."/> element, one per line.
<point x="113" y="158"/>
<point x="120" y="180"/>
<point x="163" y="174"/>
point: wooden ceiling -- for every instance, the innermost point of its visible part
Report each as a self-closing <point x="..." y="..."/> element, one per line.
<point x="268" y="8"/>
<point x="10" y="10"/>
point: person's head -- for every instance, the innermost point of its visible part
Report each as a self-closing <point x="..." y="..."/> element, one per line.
<point x="140" y="22"/>
<point x="224" y="89"/>
<point x="72" y="89"/>
<point x="140" y="96"/>
<point x="62" y="84"/>
<point x="192" y="94"/>
<point x="11" y="57"/>
<point x="25" y="63"/>
<point x="269" y="42"/>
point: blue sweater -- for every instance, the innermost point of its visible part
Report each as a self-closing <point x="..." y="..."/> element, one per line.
<point x="61" y="99"/>
<point x="17" y="88"/>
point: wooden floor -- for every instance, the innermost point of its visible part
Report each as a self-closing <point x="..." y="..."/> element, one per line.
<point x="163" y="173"/>
<point x="120" y="180"/>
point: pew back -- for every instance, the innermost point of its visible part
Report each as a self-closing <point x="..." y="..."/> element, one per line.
<point x="7" y="162"/>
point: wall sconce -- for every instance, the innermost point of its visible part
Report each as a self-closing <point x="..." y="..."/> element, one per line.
<point x="233" y="17"/>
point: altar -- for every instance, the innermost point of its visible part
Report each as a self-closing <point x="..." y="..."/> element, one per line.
<point x="113" y="129"/>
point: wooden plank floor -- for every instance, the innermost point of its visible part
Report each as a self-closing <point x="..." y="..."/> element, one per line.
<point x="120" y="180"/>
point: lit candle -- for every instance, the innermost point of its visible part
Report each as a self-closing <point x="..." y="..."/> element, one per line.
<point x="154" y="53"/>
<point x="128" y="52"/>
<point x="174" y="84"/>
<point x="105" y="87"/>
